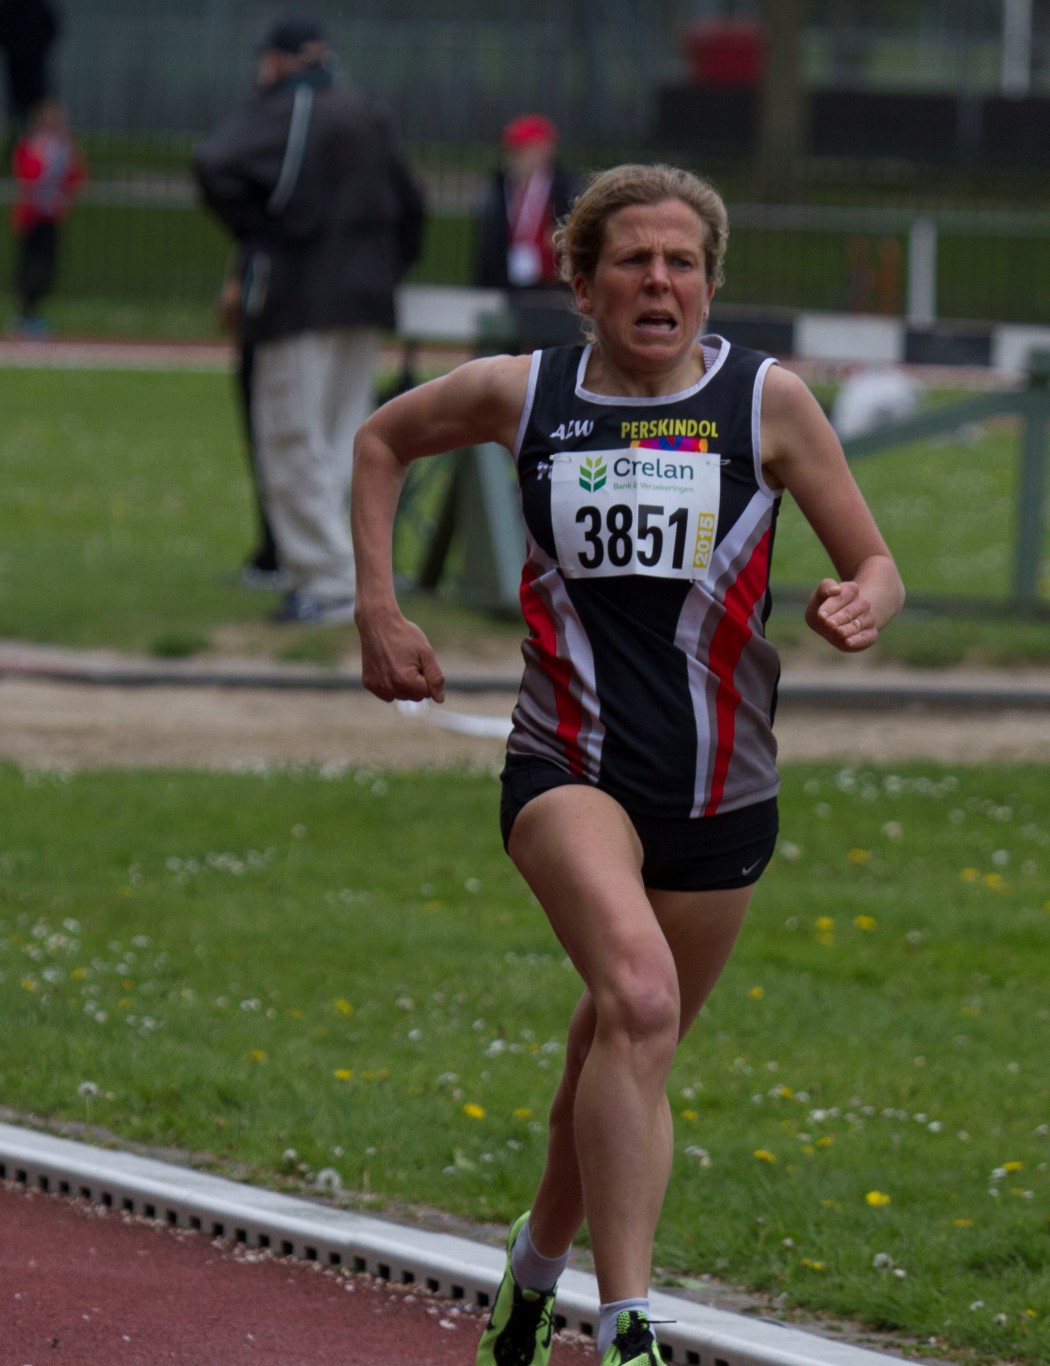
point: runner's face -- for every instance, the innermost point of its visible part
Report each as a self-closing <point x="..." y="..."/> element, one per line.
<point x="650" y="293"/>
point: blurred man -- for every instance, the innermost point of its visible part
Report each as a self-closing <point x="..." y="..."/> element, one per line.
<point x="329" y="218"/>
<point x="522" y="203"/>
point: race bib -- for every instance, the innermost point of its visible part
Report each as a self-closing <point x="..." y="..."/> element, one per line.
<point x="635" y="511"/>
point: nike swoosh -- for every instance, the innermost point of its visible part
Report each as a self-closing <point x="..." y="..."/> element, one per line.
<point x="751" y="868"/>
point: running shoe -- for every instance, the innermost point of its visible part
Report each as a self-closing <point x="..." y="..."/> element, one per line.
<point x="521" y="1324"/>
<point x="634" y="1343"/>
<point x="307" y="610"/>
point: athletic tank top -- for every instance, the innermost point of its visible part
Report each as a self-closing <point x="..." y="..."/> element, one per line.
<point x="645" y="590"/>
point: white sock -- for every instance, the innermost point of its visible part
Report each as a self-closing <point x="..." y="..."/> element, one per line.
<point x="609" y="1313"/>
<point x="530" y="1269"/>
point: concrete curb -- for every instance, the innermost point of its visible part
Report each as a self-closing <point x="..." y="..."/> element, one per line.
<point x="844" y="687"/>
<point x="448" y="1266"/>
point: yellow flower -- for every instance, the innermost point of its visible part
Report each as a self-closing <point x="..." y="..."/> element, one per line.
<point x="970" y="875"/>
<point x="27" y="984"/>
<point x="813" y="1266"/>
<point x="756" y="993"/>
<point x="826" y="1141"/>
<point x="78" y="974"/>
<point x="523" y="1112"/>
<point x="963" y="1223"/>
<point x="764" y="1155"/>
<point x="993" y="880"/>
<point x="474" y="1111"/>
<point x="343" y="1074"/>
<point x="865" y="922"/>
<point x="1031" y="1313"/>
<point x="344" y="1007"/>
<point x="876" y="1199"/>
<point x="256" y="1055"/>
<point x="859" y="856"/>
<point x="825" y="924"/>
<point x="1013" y="1166"/>
<point x="690" y="1115"/>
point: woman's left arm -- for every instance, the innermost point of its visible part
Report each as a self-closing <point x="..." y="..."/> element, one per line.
<point x="801" y="453"/>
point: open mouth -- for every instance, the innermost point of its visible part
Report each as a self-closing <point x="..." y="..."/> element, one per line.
<point x="658" y="321"/>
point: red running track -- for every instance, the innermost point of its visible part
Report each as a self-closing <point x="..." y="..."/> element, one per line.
<point x="88" y="1286"/>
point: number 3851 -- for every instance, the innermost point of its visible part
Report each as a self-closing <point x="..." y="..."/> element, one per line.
<point x="617" y="538"/>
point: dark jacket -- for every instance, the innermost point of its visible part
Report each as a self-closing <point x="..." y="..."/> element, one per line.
<point x="310" y="182"/>
<point x="490" y="227"/>
<point x="28" y="28"/>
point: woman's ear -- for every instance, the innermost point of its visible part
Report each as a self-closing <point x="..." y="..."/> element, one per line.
<point x="581" y="293"/>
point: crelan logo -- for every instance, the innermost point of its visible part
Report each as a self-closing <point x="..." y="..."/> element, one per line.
<point x="593" y="473"/>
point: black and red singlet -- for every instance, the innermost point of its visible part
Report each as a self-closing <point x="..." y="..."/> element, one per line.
<point x="649" y="534"/>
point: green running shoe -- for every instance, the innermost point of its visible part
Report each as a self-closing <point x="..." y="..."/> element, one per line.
<point x="521" y="1324"/>
<point x="634" y="1343"/>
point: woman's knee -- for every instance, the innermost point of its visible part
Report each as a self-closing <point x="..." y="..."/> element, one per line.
<point x="640" y="1005"/>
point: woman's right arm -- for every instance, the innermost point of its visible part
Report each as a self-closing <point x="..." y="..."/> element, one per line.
<point x="480" y="401"/>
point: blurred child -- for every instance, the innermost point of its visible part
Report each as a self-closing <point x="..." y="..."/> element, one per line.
<point x="49" y="171"/>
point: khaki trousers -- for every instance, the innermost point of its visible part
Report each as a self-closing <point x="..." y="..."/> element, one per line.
<point x="310" y="393"/>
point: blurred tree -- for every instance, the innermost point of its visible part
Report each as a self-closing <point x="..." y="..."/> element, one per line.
<point x="783" y="134"/>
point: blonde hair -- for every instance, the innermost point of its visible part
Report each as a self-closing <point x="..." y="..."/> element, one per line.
<point x="580" y="237"/>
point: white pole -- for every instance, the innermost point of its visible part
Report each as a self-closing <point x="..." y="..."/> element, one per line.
<point x="1015" y="79"/>
<point x="922" y="273"/>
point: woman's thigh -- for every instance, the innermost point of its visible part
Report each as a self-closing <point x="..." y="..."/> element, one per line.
<point x="700" y="929"/>
<point x="577" y="849"/>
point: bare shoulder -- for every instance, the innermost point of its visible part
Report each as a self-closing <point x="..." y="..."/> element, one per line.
<point x="793" y="422"/>
<point x="786" y="396"/>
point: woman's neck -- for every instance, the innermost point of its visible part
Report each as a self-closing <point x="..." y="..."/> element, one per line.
<point x="611" y="381"/>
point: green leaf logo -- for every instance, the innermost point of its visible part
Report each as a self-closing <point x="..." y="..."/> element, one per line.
<point x="592" y="474"/>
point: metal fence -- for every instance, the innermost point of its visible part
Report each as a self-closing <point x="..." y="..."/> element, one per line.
<point x="144" y="81"/>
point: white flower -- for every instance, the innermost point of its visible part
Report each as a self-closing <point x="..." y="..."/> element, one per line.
<point x="87" y="1089"/>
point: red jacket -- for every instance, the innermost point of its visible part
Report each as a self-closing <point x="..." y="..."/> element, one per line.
<point x="49" y="171"/>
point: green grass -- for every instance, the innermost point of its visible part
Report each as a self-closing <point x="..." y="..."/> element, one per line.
<point x="307" y="971"/>
<point x="126" y="514"/>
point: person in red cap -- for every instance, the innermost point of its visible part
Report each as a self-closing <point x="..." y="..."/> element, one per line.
<point x="522" y="204"/>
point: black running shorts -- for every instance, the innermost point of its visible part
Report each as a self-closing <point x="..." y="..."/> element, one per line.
<point x="706" y="853"/>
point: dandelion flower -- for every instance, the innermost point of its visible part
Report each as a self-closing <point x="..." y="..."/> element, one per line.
<point x="343" y="1074"/>
<point x="523" y="1112"/>
<point x="344" y="1007"/>
<point x="866" y="923"/>
<point x="756" y="993"/>
<point x="257" y="1055"/>
<point x="859" y="856"/>
<point x="764" y="1155"/>
<point x="876" y="1199"/>
<point x="473" y="1111"/>
<point x="812" y="1265"/>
